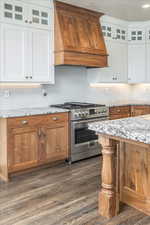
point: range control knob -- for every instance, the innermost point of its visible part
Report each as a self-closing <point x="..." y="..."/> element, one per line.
<point x="79" y="114"/>
<point x="86" y="113"/>
<point x="76" y="115"/>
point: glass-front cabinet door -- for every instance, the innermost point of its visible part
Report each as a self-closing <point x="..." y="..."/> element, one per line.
<point x="107" y="30"/>
<point x="114" y="32"/>
<point x="136" y="35"/>
<point x="13" y="12"/>
<point x="17" y="12"/>
<point x="39" y="17"/>
<point x="120" y="34"/>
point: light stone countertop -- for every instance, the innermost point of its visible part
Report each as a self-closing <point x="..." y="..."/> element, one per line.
<point x="127" y="104"/>
<point x="30" y="112"/>
<point x="133" y="128"/>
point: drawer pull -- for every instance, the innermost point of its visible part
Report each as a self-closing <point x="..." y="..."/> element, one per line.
<point x="24" y="122"/>
<point x="55" y="118"/>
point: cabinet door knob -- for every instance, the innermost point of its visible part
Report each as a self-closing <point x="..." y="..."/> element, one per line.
<point x="26" y="21"/>
<point x="24" y="122"/>
<point x="30" y="22"/>
<point x="30" y="77"/>
<point x="26" y="77"/>
<point x="54" y="118"/>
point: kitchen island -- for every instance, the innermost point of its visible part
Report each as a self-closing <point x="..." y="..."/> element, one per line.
<point x="126" y="164"/>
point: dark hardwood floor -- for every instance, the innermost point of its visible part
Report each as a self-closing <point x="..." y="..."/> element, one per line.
<point x="62" y="195"/>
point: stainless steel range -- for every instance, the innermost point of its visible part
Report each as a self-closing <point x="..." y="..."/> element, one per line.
<point x="84" y="142"/>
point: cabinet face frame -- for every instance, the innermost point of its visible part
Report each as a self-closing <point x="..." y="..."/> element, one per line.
<point x="138" y="67"/>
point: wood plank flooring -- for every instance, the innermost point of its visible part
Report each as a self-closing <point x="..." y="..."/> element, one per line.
<point x="62" y="195"/>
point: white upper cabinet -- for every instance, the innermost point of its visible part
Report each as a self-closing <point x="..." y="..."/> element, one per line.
<point x="26" y="40"/>
<point x="115" y="35"/>
<point x="116" y="72"/>
<point x="31" y="15"/>
<point x="26" y="55"/>
<point x="137" y="63"/>
<point x="128" y="47"/>
<point x="13" y="46"/>
<point x="137" y="53"/>
<point x="41" y="56"/>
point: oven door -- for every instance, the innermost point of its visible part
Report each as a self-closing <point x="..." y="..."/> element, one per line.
<point x="83" y="140"/>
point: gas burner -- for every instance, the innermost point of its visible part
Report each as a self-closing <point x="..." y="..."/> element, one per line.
<point x="84" y="110"/>
<point x="66" y="106"/>
<point x="77" y="105"/>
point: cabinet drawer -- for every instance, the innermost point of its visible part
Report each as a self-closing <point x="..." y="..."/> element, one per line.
<point x="115" y="117"/>
<point x="142" y="107"/>
<point x="33" y="121"/>
<point x="57" y="118"/>
<point x="119" y="110"/>
<point x="140" y="110"/>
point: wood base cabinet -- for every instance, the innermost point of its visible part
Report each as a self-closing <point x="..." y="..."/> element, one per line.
<point x="135" y="176"/>
<point x="140" y="110"/>
<point x="27" y="142"/>
<point x="22" y="148"/>
<point x="53" y="143"/>
<point x="118" y="112"/>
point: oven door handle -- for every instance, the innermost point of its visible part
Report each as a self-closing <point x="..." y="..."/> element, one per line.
<point x="92" y="120"/>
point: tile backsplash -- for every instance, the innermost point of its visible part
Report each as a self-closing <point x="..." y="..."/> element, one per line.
<point x="72" y="85"/>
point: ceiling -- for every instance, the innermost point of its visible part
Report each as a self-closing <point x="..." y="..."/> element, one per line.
<point x="130" y="10"/>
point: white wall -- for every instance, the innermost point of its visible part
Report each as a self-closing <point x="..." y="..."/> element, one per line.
<point x="72" y="85"/>
<point x="140" y="93"/>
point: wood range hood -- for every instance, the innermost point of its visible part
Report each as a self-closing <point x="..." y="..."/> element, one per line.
<point x="78" y="37"/>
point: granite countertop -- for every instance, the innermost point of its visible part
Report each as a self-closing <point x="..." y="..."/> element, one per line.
<point x="133" y="128"/>
<point x="30" y="112"/>
<point x="128" y="104"/>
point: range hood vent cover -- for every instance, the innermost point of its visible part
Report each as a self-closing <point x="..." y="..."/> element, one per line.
<point x="78" y="37"/>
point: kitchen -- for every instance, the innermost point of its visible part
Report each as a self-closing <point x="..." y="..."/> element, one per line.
<point x="42" y="182"/>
